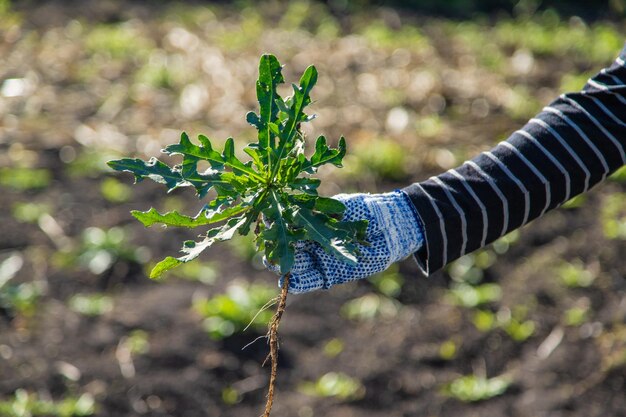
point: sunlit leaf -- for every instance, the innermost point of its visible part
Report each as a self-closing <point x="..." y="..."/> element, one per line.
<point x="173" y="218"/>
<point x="153" y="169"/>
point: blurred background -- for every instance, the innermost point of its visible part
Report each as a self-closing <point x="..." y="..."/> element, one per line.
<point x="533" y="325"/>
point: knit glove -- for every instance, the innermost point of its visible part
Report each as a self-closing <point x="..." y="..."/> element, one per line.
<point x="393" y="233"/>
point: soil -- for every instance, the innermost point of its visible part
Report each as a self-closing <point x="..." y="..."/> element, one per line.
<point x="561" y="370"/>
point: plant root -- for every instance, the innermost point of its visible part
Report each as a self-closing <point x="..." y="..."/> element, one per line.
<point x="272" y="335"/>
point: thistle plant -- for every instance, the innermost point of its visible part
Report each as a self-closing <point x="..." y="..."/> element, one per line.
<point x="273" y="194"/>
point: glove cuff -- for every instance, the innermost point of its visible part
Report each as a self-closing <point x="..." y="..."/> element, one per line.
<point x="399" y="222"/>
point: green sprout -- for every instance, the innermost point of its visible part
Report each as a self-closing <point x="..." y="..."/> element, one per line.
<point x="233" y="311"/>
<point x="91" y="304"/>
<point x="473" y="388"/>
<point x="25" y="404"/>
<point x="334" y="384"/>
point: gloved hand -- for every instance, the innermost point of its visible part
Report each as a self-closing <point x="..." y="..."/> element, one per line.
<point x="394" y="232"/>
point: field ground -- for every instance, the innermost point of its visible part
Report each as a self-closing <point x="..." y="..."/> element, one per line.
<point x="532" y="326"/>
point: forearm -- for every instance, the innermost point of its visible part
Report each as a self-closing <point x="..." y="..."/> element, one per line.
<point x="573" y="144"/>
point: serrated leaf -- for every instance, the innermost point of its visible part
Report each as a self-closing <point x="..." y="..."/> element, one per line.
<point x="321" y="229"/>
<point x="205" y="152"/>
<point x="231" y="160"/>
<point x="173" y="218"/>
<point x="270" y="75"/>
<point x="281" y="235"/>
<point x="153" y="169"/>
<point x="253" y="150"/>
<point x="192" y="154"/>
<point x="258" y="203"/>
<point x="326" y="155"/>
<point x="193" y="249"/>
<point x="296" y="114"/>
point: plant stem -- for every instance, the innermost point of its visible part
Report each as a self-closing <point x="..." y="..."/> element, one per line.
<point x="273" y="336"/>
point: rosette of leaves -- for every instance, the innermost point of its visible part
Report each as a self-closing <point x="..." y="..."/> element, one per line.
<point x="273" y="193"/>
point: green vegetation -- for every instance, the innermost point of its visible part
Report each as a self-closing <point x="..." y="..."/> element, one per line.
<point x="619" y="175"/>
<point x="371" y="306"/>
<point x="137" y="342"/>
<point x="388" y="282"/>
<point x="380" y="159"/>
<point x="204" y="272"/>
<point x="241" y="306"/>
<point x="91" y="304"/>
<point x="275" y="183"/>
<point x="230" y="396"/>
<point x="117" y="41"/>
<point x="473" y="388"/>
<point x="613" y="216"/>
<point x="24" y="179"/>
<point x="379" y="35"/>
<point x="114" y="191"/>
<point x="334" y="384"/>
<point x="30" y="212"/>
<point x="333" y="347"/>
<point x="575" y="274"/>
<point x="20" y="299"/>
<point x="474" y="295"/>
<point x="25" y="404"/>
<point x="575" y="202"/>
<point x="448" y="350"/>
<point x="576" y="316"/>
<point x="100" y="249"/>
<point x="513" y="322"/>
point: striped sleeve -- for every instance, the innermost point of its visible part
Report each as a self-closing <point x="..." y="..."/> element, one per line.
<point x="573" y="144"/>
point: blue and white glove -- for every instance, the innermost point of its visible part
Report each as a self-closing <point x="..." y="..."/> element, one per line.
<point x="394" y="232"/>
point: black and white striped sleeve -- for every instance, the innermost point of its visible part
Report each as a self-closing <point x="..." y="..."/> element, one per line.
<point x="573" y="144"/>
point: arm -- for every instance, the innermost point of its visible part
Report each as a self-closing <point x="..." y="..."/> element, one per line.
<point x="573" y="144"/>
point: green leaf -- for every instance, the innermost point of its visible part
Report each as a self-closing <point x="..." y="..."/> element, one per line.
<point x="165" y="265"/>
<point x="280" y="235"/>
<point x="154" y="169"/>
<point x="329" y="205"/>
<point x="193" y="249"/>
<point x="270" y="75"/>
<point x="307" y="185"/>
<point x="192" y="154"/>
<point x="231" y="160"/>
<point x="325" y="155"/>
<point x="189" y="150"/>
<point x="357" y="230"/>
<point x="173" y="218"/>
<point x="253" y="150"/>
<point x="258" y="202"/>
<point x="323" y="230"/>
<point x="296" y="115"/>
<point x="325" y="205"/>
